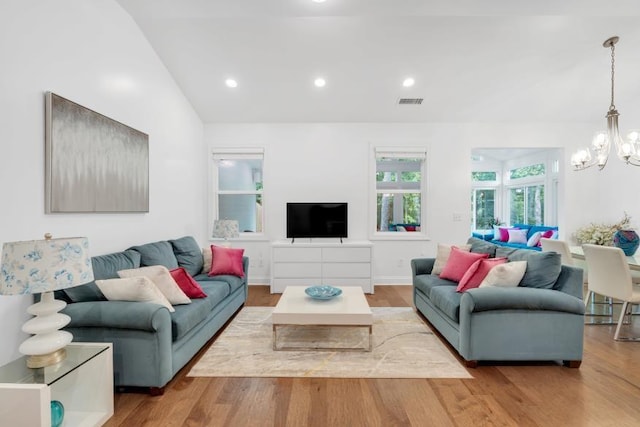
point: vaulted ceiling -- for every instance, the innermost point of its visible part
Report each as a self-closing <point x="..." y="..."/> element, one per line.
<point x="490" y="61"/>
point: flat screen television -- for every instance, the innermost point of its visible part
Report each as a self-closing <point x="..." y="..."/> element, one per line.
<point x="308" y="220"/>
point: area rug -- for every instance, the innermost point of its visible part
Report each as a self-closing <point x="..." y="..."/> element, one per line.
<point x="403" y="347"/>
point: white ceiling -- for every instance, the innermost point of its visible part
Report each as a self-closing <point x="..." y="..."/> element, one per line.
<point x="489" y="61"/>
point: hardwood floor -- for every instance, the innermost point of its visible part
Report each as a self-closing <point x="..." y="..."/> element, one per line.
<point x="604" y="391"/>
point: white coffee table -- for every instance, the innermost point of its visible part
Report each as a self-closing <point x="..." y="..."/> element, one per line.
<point x="350" y="309"/>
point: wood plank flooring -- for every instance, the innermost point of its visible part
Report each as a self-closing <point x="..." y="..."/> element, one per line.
<point x="605" y="391"/>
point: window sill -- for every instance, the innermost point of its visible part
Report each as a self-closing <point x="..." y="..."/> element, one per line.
<point x="414" y="237"/>
<point x="248" y="238"/>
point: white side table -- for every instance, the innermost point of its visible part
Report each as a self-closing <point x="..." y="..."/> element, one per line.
<point x="83" y="382"/>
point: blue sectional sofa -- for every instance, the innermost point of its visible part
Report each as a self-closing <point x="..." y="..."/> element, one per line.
<point x="541" y="319"/>
<point x="531" y="229"/>
<point x="150" y="344"/>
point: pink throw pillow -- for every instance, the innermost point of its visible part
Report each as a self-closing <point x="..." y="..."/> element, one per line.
<point x="545" y="234"/>
<point x="504" y="233"/>
<point x="458" y="263"/>
<point x="226" y="261"/>
<point x="189" y="286"/>
<point x="477" y="272"/>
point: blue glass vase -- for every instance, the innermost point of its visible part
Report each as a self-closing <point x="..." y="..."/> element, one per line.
<point x="627" y="240"/>
<point x="57" y="413"/>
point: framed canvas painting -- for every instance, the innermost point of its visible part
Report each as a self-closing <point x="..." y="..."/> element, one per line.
<point x="93" y="163"/>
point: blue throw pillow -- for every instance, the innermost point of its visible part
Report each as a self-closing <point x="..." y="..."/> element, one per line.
<point x="188" y="254"/>
<point x="157" y="253"/>
<point x="543" y="268"/>
<point x="104" y="267"/>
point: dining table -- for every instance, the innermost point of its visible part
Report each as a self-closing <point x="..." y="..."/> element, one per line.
<point x="633" y="260"/>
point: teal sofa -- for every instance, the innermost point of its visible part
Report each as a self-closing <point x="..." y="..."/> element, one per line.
<point x="541" y="319"/>
<point x="531" y="229"/>
<point x="150" y="344"/>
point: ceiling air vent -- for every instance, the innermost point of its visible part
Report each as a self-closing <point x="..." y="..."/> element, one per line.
<point x="410" y="101"/>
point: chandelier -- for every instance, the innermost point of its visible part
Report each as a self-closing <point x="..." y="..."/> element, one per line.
<point x="628" y="150"/>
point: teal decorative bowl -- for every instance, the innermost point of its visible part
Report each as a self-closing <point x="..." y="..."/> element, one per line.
<point x="57" y="413"/>
<point x="323" y="292"/>
<point x="627" y="240"/>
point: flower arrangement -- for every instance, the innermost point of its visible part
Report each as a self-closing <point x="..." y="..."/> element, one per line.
<point x="602" y="234"/>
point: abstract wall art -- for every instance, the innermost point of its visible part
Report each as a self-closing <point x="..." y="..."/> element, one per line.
<point x="93" y="163"/>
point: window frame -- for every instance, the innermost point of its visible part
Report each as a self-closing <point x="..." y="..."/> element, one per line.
<point x="400" y="152"/>
<point x="244" y="153"/>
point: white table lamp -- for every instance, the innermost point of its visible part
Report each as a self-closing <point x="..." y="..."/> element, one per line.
<point x="41" y="267"/>
<point x="225" y="229"/>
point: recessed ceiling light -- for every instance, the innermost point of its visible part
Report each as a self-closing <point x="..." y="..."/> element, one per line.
<point x="408" y="82"/>
<point x="318" y="1"/>
<point x="320" y="82"/>
<point x="231" y="83"/>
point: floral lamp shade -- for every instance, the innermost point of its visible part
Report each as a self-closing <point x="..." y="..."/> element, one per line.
<point x="37" y="266"/>
<point x="226" y="229"/>
<point x="41" y="267"/>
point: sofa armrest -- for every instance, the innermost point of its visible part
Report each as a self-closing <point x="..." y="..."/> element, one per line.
<point x="422" y="266"/>
<point x="519" y="298"/>
<point x="141" y="316"/>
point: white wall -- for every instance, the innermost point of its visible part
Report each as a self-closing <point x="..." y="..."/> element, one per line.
<point x="329" y="162"/>
<point x="90" y="52"/>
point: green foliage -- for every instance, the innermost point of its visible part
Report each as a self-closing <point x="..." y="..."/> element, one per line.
<point x="483" y="176"/>
<point x="527" y="171"/>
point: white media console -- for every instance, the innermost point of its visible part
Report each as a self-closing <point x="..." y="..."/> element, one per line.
<point x="306" y="264"/>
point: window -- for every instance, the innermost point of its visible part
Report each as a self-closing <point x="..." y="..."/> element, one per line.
<point x="399" y="190"/>
<point x="514" y="186"/>
<point x="526" y="194"/>
<point x="484" y="176"/>
<point x="526" y="205"/>
<point x="237" y="188"/>
<point x="484" y="199"/>
<point x="483" y="208"/>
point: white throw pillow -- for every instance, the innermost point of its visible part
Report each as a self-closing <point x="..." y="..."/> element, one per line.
<point x="506" y="275"/>
<point x="139" y="289"/>
<point x="443" y="256"/>
<point x="160" y="276"/>
<point x="207" y="256"/>
<point x="517" y="236"/>
<point x="534" y="239"/>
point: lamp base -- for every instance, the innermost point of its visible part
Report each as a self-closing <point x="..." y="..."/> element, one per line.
<point x="46" y="346"/>
<point x="42" y="360"/>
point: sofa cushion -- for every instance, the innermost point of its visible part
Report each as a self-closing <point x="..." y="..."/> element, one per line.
<point x="458" y="264"/>
<point x="138" y="289"/>
<point x="232" y="282"/>
<point x="543" y="268"/>
<point x="160" y="276"/>
<point x="517" y="236"/>
<point x="157" y="253"/>
<point x="186" y="317"/>
<point x="516" y="245"/>
<point x="442" y="256"/>
<point x="188" y="254"/>
<point x="480" y="246"/>
<point x="189" y="286"/>
<point x="424" y="282"/>
<point x="507" y="275"/>
<point x="226" y="261"/>
<point x="104" y="267"/>
<point x="447" y="299"/>
<point x="477" y="272"/>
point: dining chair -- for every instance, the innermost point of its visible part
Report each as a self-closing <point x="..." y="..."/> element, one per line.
<point x="609" y="275"/>
<point x="562" y="247"/>
<point x="559" y="246"/>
